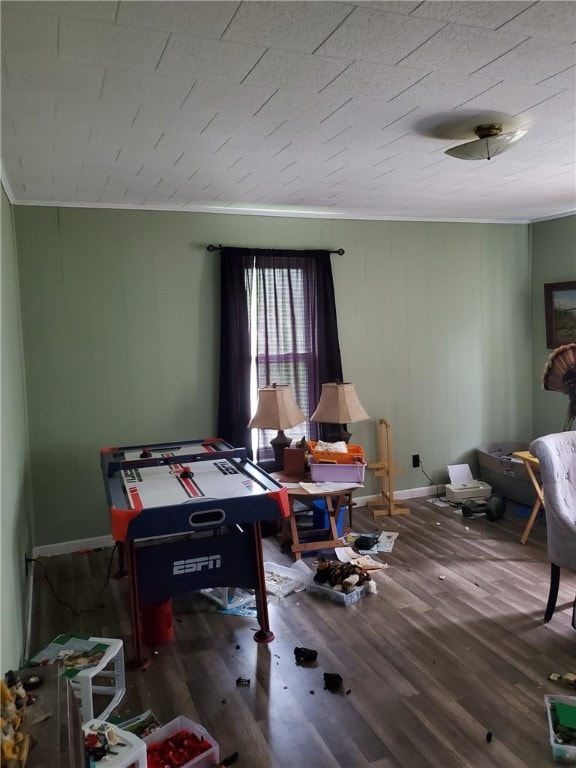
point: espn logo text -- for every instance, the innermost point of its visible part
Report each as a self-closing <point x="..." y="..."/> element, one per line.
<point x="195" y="564"/>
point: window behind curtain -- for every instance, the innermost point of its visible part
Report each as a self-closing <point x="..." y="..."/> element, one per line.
<point x="285" y="339"/>
<point x="279" y="322"/>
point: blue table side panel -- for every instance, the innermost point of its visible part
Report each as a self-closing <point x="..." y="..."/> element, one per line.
<point x="188" y="564"/>
<point x="162" y="521"/>
<point x="321" y="517"/>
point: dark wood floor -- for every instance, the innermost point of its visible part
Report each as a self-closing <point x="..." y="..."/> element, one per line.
<point x="452" y="647"/>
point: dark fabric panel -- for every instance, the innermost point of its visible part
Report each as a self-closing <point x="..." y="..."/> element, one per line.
<point x="234" y="393"/>
<point x="329" y="358"/>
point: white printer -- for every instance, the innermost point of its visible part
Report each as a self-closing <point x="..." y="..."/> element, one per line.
<point x="463" y="487"/>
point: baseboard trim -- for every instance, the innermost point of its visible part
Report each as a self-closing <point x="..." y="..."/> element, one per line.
<point x="411" y="493"/>
<point x="414" y="493"/>
<point x="80" y="545"/>
<point x="29" y="603"/>
<point x="104" y="542"/>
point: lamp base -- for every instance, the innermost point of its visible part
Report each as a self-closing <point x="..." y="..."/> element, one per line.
<point x="278" y="444"/>
<point x="335" y="433"/>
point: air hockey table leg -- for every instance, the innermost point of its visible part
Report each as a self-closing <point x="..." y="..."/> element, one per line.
<point x="139" y="661"/>
<point x="263" y="635"/>
<point x="122" y="571"/>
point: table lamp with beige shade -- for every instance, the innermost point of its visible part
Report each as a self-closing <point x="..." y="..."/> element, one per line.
<point x="338" y="405"/>
<point x="277" y="409"/>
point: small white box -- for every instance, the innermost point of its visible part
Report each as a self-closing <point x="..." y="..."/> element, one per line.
<point x="205" y="760"/>
<point x="282" y="581"/>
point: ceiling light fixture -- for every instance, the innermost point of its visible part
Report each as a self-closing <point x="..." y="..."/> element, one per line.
<point x="491" y="142"/>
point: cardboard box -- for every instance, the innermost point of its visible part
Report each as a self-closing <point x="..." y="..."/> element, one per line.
<point x="205" y="760"/>
<point x="294" y="462"/>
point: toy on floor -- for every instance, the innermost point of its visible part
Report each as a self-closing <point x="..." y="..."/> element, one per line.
<point x="15" y="744"/>
<point x="343" y="577"/>
<point x="568" y="679"/>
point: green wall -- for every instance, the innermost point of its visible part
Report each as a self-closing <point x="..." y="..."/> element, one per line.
<point x="15" y="515"/>
<point x="441" y="328"/>
<point x="120" y="321"/>
<point x="553" y="261"/>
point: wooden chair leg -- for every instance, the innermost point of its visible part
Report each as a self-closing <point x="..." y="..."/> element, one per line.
<point x="553" y="594"/>
<point x="350" y="504"/>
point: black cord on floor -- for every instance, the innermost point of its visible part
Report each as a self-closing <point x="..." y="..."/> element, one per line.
<point x="63" y="602"/>
<point x="429" y="479"/>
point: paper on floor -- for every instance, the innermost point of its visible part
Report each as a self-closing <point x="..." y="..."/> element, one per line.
<point x="349" y="555"/>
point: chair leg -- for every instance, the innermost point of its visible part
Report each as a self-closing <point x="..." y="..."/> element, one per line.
<point x="350" y="506"/>
<point x="553" y="594"/>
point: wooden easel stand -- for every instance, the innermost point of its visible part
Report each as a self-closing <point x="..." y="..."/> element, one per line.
<point x="385" y="469"/>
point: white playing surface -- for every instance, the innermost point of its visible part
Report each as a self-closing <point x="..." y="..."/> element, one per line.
<point x="162" y="485"/>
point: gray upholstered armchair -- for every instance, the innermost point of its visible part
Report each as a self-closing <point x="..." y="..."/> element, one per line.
<point x="557" y="456"/>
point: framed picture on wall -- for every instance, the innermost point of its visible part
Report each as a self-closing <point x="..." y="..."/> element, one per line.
<point x="560" y="309"/>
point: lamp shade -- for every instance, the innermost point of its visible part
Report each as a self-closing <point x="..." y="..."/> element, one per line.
<point x="276" y="409"/>
<point x="339" y="404"/>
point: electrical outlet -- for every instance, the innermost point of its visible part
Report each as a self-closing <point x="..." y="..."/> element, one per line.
<point x="415" y="460"/>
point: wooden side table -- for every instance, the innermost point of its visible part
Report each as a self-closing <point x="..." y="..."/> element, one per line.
<point x="533" y="468"/>
<point x="335" y="501"/>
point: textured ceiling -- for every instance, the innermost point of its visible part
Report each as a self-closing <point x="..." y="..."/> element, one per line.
<point x="296" y="108"/>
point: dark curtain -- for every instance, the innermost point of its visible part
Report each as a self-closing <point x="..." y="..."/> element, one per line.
<point x="234" y="389"/>
<point x="297" y="330"/>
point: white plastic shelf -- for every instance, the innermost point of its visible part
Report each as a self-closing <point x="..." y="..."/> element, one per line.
<point x="90" y="681"/>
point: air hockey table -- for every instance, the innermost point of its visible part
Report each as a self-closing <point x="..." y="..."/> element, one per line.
<point x="187" y="517"/>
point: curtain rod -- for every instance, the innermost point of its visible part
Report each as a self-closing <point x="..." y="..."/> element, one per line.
<point x="212" y="248"/>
